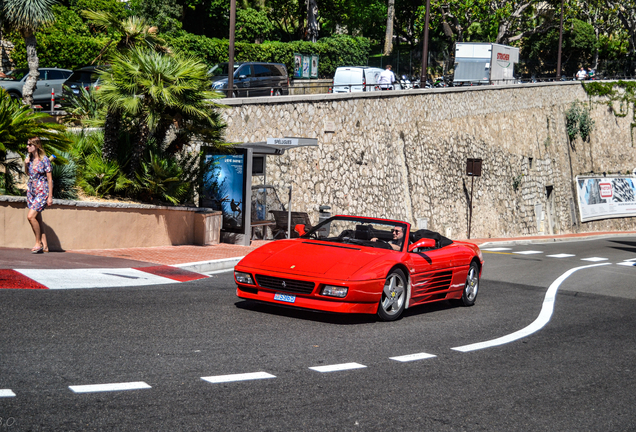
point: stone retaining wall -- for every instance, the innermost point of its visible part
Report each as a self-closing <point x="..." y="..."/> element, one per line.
<point x="403" y="154"/>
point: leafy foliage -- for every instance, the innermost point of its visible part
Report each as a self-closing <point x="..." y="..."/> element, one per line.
<point x="578" y="122"/>
<point x="64" y="179"/>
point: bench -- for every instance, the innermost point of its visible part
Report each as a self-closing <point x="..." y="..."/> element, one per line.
<point x="281" y="218"/>
<point x="261" y="224"/>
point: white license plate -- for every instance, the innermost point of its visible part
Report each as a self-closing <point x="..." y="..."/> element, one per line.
<point x="285" y="298"/>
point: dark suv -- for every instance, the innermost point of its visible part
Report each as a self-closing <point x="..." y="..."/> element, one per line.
<point x="252" y="79"/>
<point x="86" y="77"/>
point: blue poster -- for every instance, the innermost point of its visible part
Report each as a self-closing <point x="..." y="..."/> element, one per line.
<point x="224" y="188"/>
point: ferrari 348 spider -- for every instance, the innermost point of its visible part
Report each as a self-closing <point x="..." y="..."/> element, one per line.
<point x="357" y="264"/>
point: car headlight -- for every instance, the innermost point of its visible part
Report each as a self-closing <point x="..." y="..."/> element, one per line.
<point x="217" y="85"/>
<point x="244" y="278"/>
<point x="334" y="291"/>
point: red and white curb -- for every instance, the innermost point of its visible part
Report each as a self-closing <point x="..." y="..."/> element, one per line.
<point x="94" y="278"/>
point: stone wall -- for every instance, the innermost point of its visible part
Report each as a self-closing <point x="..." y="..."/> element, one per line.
<point x="403" y="154"/>
<point x="6" y="64"/>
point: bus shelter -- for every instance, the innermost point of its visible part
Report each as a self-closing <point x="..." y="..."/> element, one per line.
<point x="227" y="182"/>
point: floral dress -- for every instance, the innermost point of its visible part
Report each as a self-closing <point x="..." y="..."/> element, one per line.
<point x="38" y="186"/>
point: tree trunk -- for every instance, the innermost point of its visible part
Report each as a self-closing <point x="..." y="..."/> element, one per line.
<point x="139" y="147"/>
<point x="312" y="20"/>
<point x="111" y="136"/>
<point x="388" y="40"/>
<point x="33" y="62"/>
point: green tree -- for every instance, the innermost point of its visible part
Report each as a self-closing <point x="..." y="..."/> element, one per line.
<point x="27" y="17"/>
<point x="154" y="92"/>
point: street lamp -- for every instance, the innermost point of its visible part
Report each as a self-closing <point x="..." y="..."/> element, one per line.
<point x="423" y="75"/>
<point x="558" y="74"/>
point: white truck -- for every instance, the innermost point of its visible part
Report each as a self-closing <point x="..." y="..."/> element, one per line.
<point x="484" y="63"/>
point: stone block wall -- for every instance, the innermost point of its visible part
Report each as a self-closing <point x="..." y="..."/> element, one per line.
<point x="403" y="155"/>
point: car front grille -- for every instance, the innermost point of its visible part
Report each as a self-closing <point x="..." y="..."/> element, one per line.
<point x="284" y="284"/>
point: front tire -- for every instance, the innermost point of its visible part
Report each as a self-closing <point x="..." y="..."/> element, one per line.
<point x="393" y="298"/>
<point x="472" y="285"/>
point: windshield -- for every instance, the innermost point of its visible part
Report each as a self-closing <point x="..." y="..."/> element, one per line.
<point x="221" y="69"/>
<point x="377" y="233"/>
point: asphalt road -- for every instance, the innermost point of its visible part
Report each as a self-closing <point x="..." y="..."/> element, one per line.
<point x="575" y="373"/>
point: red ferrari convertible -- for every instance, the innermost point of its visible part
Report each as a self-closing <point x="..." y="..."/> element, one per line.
<point x="357" y="264"/>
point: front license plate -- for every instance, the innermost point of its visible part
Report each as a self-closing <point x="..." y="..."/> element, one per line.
<point x="285" y="298"/>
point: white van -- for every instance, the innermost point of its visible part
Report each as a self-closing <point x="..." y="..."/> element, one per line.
<point x="355" y="79"/>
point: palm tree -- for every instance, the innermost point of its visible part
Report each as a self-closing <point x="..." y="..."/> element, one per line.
<point x="127" y="33"/>
<point x="157" y="92"/>
<point x="27" y="17"/>
<point x="17" y="124"/>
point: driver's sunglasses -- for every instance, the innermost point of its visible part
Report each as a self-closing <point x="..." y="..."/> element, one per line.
<point x="397" y="231"/>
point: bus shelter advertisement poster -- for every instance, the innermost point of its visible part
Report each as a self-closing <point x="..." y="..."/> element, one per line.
<point x="224" y="188"/>
<point x="606" y="197"/>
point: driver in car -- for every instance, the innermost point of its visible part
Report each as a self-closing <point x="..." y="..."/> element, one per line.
<point x="398" y="238"/>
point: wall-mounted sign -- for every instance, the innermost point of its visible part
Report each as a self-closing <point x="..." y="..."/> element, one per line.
<point x="306" y="66"/>
<point x="298" y="65"/>
<point x="224" y="183"/>
<point x="606" y="197"/>
<point x="313" y="69"/>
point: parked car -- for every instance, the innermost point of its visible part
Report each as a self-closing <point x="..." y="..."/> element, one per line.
<point x="353" y="264"/>
<point x="87" y="77"/>
<point x="49" y="79"/>
<point x="355" y="79"/>
<point x="252" y="79"/>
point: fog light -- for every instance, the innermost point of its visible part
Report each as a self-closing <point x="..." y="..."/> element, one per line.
<point x="334" y="291"/>
<point x="244" y="278"/>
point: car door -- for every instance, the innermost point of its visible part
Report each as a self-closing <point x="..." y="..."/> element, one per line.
<point x="55" y="80"/>
<point x="262" y="83"/>
<point x="432" y="274"/>
<point x="42" y="92"/>
<point x="242" y="80"/>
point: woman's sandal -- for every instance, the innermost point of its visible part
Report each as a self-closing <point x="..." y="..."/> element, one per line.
<point x="38" y="251"/>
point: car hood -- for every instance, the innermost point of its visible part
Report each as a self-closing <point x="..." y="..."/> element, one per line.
<point x="309" y="257"/>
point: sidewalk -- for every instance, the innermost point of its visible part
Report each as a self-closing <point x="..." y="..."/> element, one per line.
<point x="201" y="259"/>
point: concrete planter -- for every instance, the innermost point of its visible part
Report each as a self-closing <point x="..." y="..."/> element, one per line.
<point x="91" y="225"/>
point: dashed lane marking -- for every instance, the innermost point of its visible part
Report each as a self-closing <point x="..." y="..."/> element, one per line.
<point x="528" y="252"/>
<point x="4" y="393"/>
<point x="537" y="324"/>
<point x="412" y="357"/>
<point x="96" y="388"/>
<point x="237" y="377"/>
<point x="497" y="249"/>
<point x="337" y="367"/>
<point x="561" y="255"/>
<point x="627" y="263"/>
<point x="594" y="259"/>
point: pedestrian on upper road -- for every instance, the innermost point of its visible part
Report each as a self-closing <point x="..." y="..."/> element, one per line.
<point x="581" y="74"/>
<point x="387" y="78"/>
<point x="39" y="190"/>
<point x="590" y="73"/>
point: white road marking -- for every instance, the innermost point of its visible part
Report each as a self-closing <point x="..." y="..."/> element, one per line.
<point x="627" y="263"/>
<point x="337" y="367"/>
<point x="528" y="252"/>
<point x="412" y="357"/>
<point x="537" y="324"/>
<point x="594" y="259"/>
<point x="94" y="388"/>
<point x="497" y="249"/>
<point x="6" y="393"/>
<point x="561" y="255"/>
<point x="237" y="377"/>
<point x="633" y="259"/>
<point x="93" y="278"/>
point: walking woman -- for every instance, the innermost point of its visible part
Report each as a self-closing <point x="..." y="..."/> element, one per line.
<point x="39" y="190"/>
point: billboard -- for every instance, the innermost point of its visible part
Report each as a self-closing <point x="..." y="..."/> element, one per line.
<point x="224" y="183"/>
<point x="606" y="197"/>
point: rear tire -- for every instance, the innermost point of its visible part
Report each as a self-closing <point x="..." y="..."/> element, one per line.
<point x="393" y="299"/>
<point x="15" y="95"/>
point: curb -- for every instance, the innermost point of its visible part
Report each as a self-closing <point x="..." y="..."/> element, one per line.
<point x="210" y="266"/>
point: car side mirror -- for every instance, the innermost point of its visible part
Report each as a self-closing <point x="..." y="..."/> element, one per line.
<point x="300" y="229"/>
<point x="242" y="76"/>
<point x="422" y="243"/>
